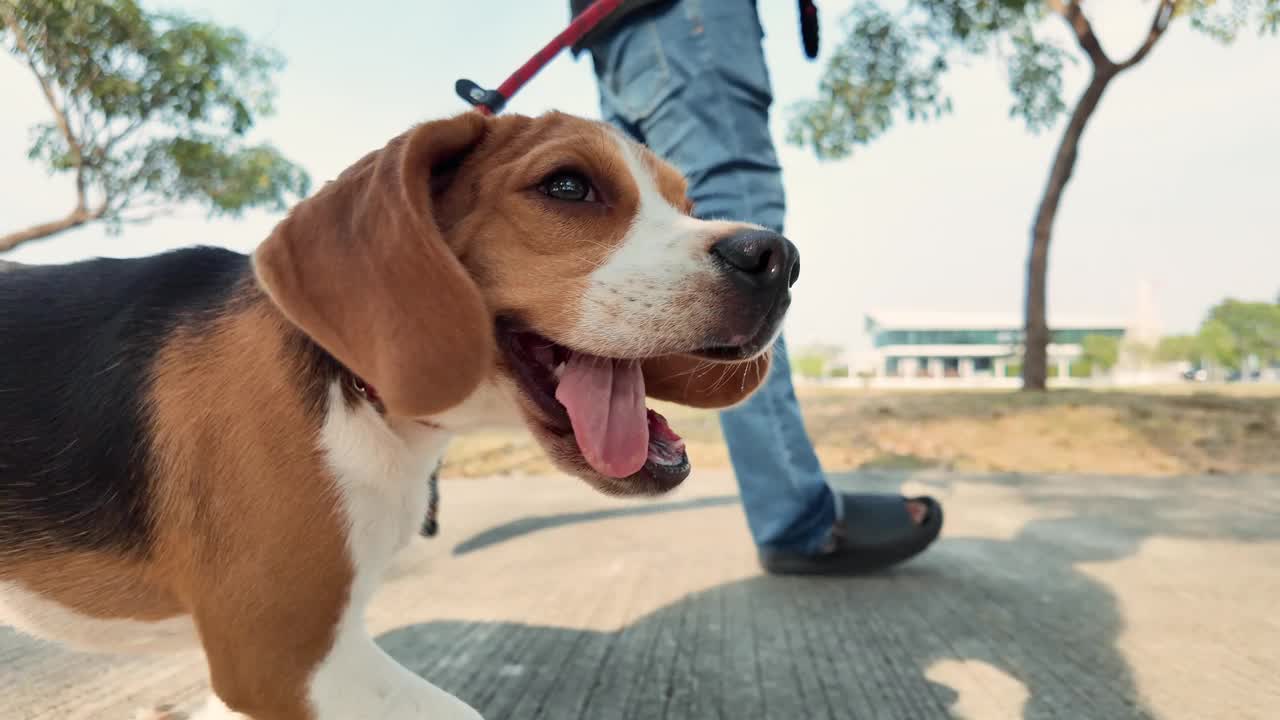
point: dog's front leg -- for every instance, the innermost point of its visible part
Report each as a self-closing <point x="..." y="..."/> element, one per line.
<point x="277" y="652"/>
<point x="357" y="680"/>
<point x="360" y="680"/>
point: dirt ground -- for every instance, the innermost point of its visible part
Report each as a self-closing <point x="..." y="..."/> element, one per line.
<point x="1178" y="430"/>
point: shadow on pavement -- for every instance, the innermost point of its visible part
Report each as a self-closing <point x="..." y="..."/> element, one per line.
<point x="534" y="523"/>
<point x="782" y="648"/>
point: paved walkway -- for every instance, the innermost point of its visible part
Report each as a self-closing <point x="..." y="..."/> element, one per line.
<point x="1048" y="597"/>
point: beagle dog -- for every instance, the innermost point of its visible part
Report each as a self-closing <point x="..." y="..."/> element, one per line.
<point x="209" y="449"/>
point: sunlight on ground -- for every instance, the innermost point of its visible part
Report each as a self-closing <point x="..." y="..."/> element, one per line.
<point x="985" y="692"/>
<point x="1210" y="677"/>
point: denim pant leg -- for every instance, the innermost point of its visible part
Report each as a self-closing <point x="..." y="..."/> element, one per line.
<point x="690" y="81"/>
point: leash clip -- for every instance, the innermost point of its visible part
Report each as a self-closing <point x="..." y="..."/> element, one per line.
<point x="490" y="100"/>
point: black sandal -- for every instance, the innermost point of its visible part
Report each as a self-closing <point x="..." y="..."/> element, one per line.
<point x="875" y="532"/>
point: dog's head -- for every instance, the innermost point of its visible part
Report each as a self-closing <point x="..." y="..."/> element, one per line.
<point x="548" y="256"/>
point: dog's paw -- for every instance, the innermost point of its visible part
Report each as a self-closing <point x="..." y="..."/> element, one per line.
<point x="160" y="712"/>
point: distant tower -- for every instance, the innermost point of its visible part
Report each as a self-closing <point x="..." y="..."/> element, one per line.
<point x="1143" y="333"/>
<point x="1145" y="327"/>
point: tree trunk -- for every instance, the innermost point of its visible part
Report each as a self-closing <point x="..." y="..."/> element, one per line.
<point x="1035" y="360"/>
<point x="73" y="219"/>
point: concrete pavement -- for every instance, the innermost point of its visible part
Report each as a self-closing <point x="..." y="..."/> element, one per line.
<point x="1047" y="597"/>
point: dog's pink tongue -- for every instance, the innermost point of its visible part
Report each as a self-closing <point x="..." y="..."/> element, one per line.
<point x="605" y="400"/>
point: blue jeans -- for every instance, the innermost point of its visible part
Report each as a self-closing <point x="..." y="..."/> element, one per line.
<point x="689" y="80"/>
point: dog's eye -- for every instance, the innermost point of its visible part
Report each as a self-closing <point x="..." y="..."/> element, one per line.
<point x="569" y="186"/>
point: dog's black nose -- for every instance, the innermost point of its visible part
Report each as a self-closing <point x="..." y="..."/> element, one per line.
<point x="759" y="260"/>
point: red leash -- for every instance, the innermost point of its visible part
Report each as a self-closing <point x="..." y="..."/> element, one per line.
<point x="491" y="102"/>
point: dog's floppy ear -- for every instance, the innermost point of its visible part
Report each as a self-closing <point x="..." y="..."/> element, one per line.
<point x="703" y="384"/>
<point x="363" y="269"/>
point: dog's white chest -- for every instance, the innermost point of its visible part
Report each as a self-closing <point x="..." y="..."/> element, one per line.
<point x="382" y="475"/>
<point x="37" y="616"/>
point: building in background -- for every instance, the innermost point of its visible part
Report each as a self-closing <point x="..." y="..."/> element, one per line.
<point x="971" y="346"/>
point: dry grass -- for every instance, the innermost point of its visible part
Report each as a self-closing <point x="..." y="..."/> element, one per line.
<point x="1162" y="431"/>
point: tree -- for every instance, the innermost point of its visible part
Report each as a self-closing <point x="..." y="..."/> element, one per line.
<point x="1232" y="331"/>
<point x="1179" y="348"/>
<point x="1219" y="345"/>
<point x="809" y="366"/>
<point x="891" y="64"/>
<point x="1254" y="329"/>
<point x="1100" y="351"/>
<point x="811" y="361"/>
<point x="148" y="110"/>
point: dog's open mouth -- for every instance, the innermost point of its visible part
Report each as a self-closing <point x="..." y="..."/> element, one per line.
<point x="600" y="402"/>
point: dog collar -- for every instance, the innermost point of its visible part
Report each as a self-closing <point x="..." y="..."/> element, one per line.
<point x="431" y="522"/>
<point x="366" y="391"/>
<point x="370" y="395"/>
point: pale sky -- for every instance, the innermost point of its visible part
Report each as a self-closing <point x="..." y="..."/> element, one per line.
<point x="1178" y="182"/>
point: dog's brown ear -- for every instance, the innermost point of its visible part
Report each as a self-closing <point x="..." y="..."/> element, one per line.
<point x="698" y="383"/>
<point x="363" y="269"/>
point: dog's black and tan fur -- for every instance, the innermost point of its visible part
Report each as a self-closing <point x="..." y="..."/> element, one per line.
<point x="163" y="460"/>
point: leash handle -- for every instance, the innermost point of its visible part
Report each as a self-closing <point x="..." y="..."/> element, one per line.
<point x="809" y="28"/>
<point x="491" y="102"/>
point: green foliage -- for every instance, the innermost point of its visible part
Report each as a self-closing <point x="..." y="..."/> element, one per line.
<point x="884" y="66"/>
<point x="1101" y="351"/>
<point x="815" y="360"/>
<point x="809" y="365"/>
<point x="891" y="62"/>
<point x="1179" y="348"/>
<point x="1233" y="331"/>
<point x="1223" y="20"/>
<point x="1035" y="79"/>
<point x="149" y="108"/>
<point x="1241" y="329"/>
<point x="1218" y="345"/>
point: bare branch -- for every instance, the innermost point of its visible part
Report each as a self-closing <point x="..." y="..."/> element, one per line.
<point x="1083" y="29"/>
<point x="59" y="115"/>
<point x="1159" y="23"/>
<point x="20" y="38"/>
<point x="75" y="218"/>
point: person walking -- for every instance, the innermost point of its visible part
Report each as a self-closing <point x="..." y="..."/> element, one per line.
<point x="688" y="78"/>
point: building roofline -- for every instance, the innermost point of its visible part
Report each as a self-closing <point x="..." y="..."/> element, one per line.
<point x="960" y="320"/>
